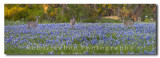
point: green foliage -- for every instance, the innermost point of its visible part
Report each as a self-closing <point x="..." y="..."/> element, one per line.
<point x="15" y="13"/>
<point x="61" y="13"/>
<point x="147" y="20"/>
<point x="147" y="12"/>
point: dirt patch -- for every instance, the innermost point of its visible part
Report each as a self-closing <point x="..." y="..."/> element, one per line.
<point x="113" y="17"/>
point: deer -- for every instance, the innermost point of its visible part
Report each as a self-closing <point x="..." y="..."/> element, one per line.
<point x="72" y="21"/>
<point x="131" y="16"/>
<point x="33" y="24"/>
<point x="130" y="22"/>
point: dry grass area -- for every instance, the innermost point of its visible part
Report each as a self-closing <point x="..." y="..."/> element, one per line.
<point x="113" y="17"/>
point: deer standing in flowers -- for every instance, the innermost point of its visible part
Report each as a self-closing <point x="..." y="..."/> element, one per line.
<point x="72" y="21"/>
<point x="126" y="23"/>
<point x="129" y="14"/>
<point x="33" y="24"/>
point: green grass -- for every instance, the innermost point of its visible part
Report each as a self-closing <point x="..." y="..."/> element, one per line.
<point x="13" y="22"/>
<point x="104" y="20"/>
<point x="48" y="22"/>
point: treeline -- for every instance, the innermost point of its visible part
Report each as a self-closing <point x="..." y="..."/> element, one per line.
<point x="61" y="13"/>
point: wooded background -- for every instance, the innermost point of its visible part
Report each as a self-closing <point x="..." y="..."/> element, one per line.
<point x="61" y="13"/>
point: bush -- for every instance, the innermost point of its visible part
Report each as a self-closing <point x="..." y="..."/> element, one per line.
<point x="15" y="13"/>
<point x="147" y="20"/>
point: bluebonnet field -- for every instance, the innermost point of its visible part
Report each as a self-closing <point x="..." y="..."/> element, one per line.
<point x="84" y="38"/>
